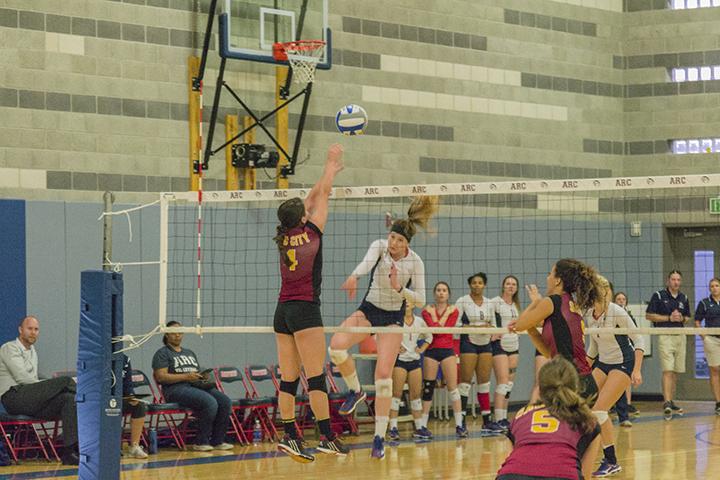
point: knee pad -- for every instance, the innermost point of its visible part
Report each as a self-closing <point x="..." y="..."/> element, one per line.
<point x="454" y="395"/>
<point x="416" y="404"/>
<point x="428" y="390"/>
<point x="510" y="386"/>
<point x="484" y="388"/>
<point x="383" y="388"/>
<point x="601" y="416"/>
<point x="464" y="389"/>
<point x="289" y="387"/>
<point x="139" y="410"/>
<point x="338" y="356"/>
<point x="502" y="389"/>
<point x="317" y="383"/>
<point x="395" y="404"/>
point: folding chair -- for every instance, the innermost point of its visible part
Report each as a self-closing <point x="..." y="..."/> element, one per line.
<point x="21" y="434"/>
<point x="161" y="411"/>
<point x="262" y="407"/>
<point x="228" y="374"/>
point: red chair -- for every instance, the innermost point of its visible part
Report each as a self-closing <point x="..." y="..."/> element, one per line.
<point x="228" y="374"/>
<point x="162" y="413"/>
<point x="261" y="407"/>
<point x="22" y="434"/>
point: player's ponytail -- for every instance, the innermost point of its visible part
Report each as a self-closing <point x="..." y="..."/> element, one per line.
<point x="290" y="214"/>
<point x="581" y="281"/>
<point x="559" y="386"/>
<point x="420" y="212"/>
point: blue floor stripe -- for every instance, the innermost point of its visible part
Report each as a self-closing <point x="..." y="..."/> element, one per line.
<point x="699" y="438"/>
<point x="274" y="454"/>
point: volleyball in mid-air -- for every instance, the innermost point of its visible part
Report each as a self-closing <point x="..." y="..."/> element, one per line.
<point x="351" y="120"/>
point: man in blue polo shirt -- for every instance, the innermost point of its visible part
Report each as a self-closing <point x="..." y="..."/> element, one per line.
<point x="708" y="309"/>
<point x="670" y="308"/>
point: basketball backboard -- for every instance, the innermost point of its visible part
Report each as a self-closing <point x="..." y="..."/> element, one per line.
<point x="249" y="28"/>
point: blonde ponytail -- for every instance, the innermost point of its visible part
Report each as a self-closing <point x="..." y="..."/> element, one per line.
<point x="559" y="387"/>
<point x="421" y="210"/>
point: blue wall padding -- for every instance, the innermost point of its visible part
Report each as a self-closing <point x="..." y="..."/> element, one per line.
<point x="13" y="283"/>
<point x="99" y="391"/>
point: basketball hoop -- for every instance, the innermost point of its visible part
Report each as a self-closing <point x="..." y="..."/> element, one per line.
<point x="303" y="56"/>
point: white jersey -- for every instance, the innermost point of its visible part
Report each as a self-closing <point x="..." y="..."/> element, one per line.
<point x="613" y="349"/>
<point x="410" y="340"/>
<point x="411" y="275"/>
<point x="477" y="316"/>
<point x="507" y="312"/>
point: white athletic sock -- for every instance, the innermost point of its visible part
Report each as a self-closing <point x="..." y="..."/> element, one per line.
<point x="459" y="419"/>
<point x="425" y="418"/>
<point x="418" y="423"/>
<point x="352" y="382"/>
<point x="500" y="414"/>
<point x="381" y="424"/>
<point x="393" y="423"/>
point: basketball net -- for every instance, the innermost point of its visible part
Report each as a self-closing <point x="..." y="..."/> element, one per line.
<point x="303" y="57"/>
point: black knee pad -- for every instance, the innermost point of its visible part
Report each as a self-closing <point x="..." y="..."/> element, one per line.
<point x="428" y="390"/>
<point x="139" y="410"/>
<point x="289" y="387"/>
<point x="317" y="383"/>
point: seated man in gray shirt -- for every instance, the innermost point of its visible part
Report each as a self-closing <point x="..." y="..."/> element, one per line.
<point x="22" y="393"/>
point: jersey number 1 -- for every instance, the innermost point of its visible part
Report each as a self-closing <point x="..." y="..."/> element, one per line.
<point x="542" y="422"/>
<point x="293" y="258"/>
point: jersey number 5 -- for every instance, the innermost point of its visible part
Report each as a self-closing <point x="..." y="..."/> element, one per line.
<point x="293" y="258"/>
<point x="542" y="422"/>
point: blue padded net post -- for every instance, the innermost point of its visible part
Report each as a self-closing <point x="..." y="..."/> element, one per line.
<point x="99" y="392"/>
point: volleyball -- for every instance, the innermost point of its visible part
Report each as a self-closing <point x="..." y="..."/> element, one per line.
<point x="351" y="120"/>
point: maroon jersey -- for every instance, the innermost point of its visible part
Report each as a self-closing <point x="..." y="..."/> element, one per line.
<point x="301" y="280"/>
<point x="544" y="446"/>
<point x="563" y="332"/>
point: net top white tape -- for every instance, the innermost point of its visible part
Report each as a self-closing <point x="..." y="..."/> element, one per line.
<point x="516" y="187"/>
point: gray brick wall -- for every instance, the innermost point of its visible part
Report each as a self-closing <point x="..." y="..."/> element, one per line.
<point x="106" y="91"/>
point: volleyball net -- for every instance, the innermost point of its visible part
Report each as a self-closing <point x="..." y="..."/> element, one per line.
<point x="219" y="268"/>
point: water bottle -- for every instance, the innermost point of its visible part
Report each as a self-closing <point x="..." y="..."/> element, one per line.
<point x="257" y="433"/>
<point x="5" y="459"/>
<point x="152" y="441"/>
